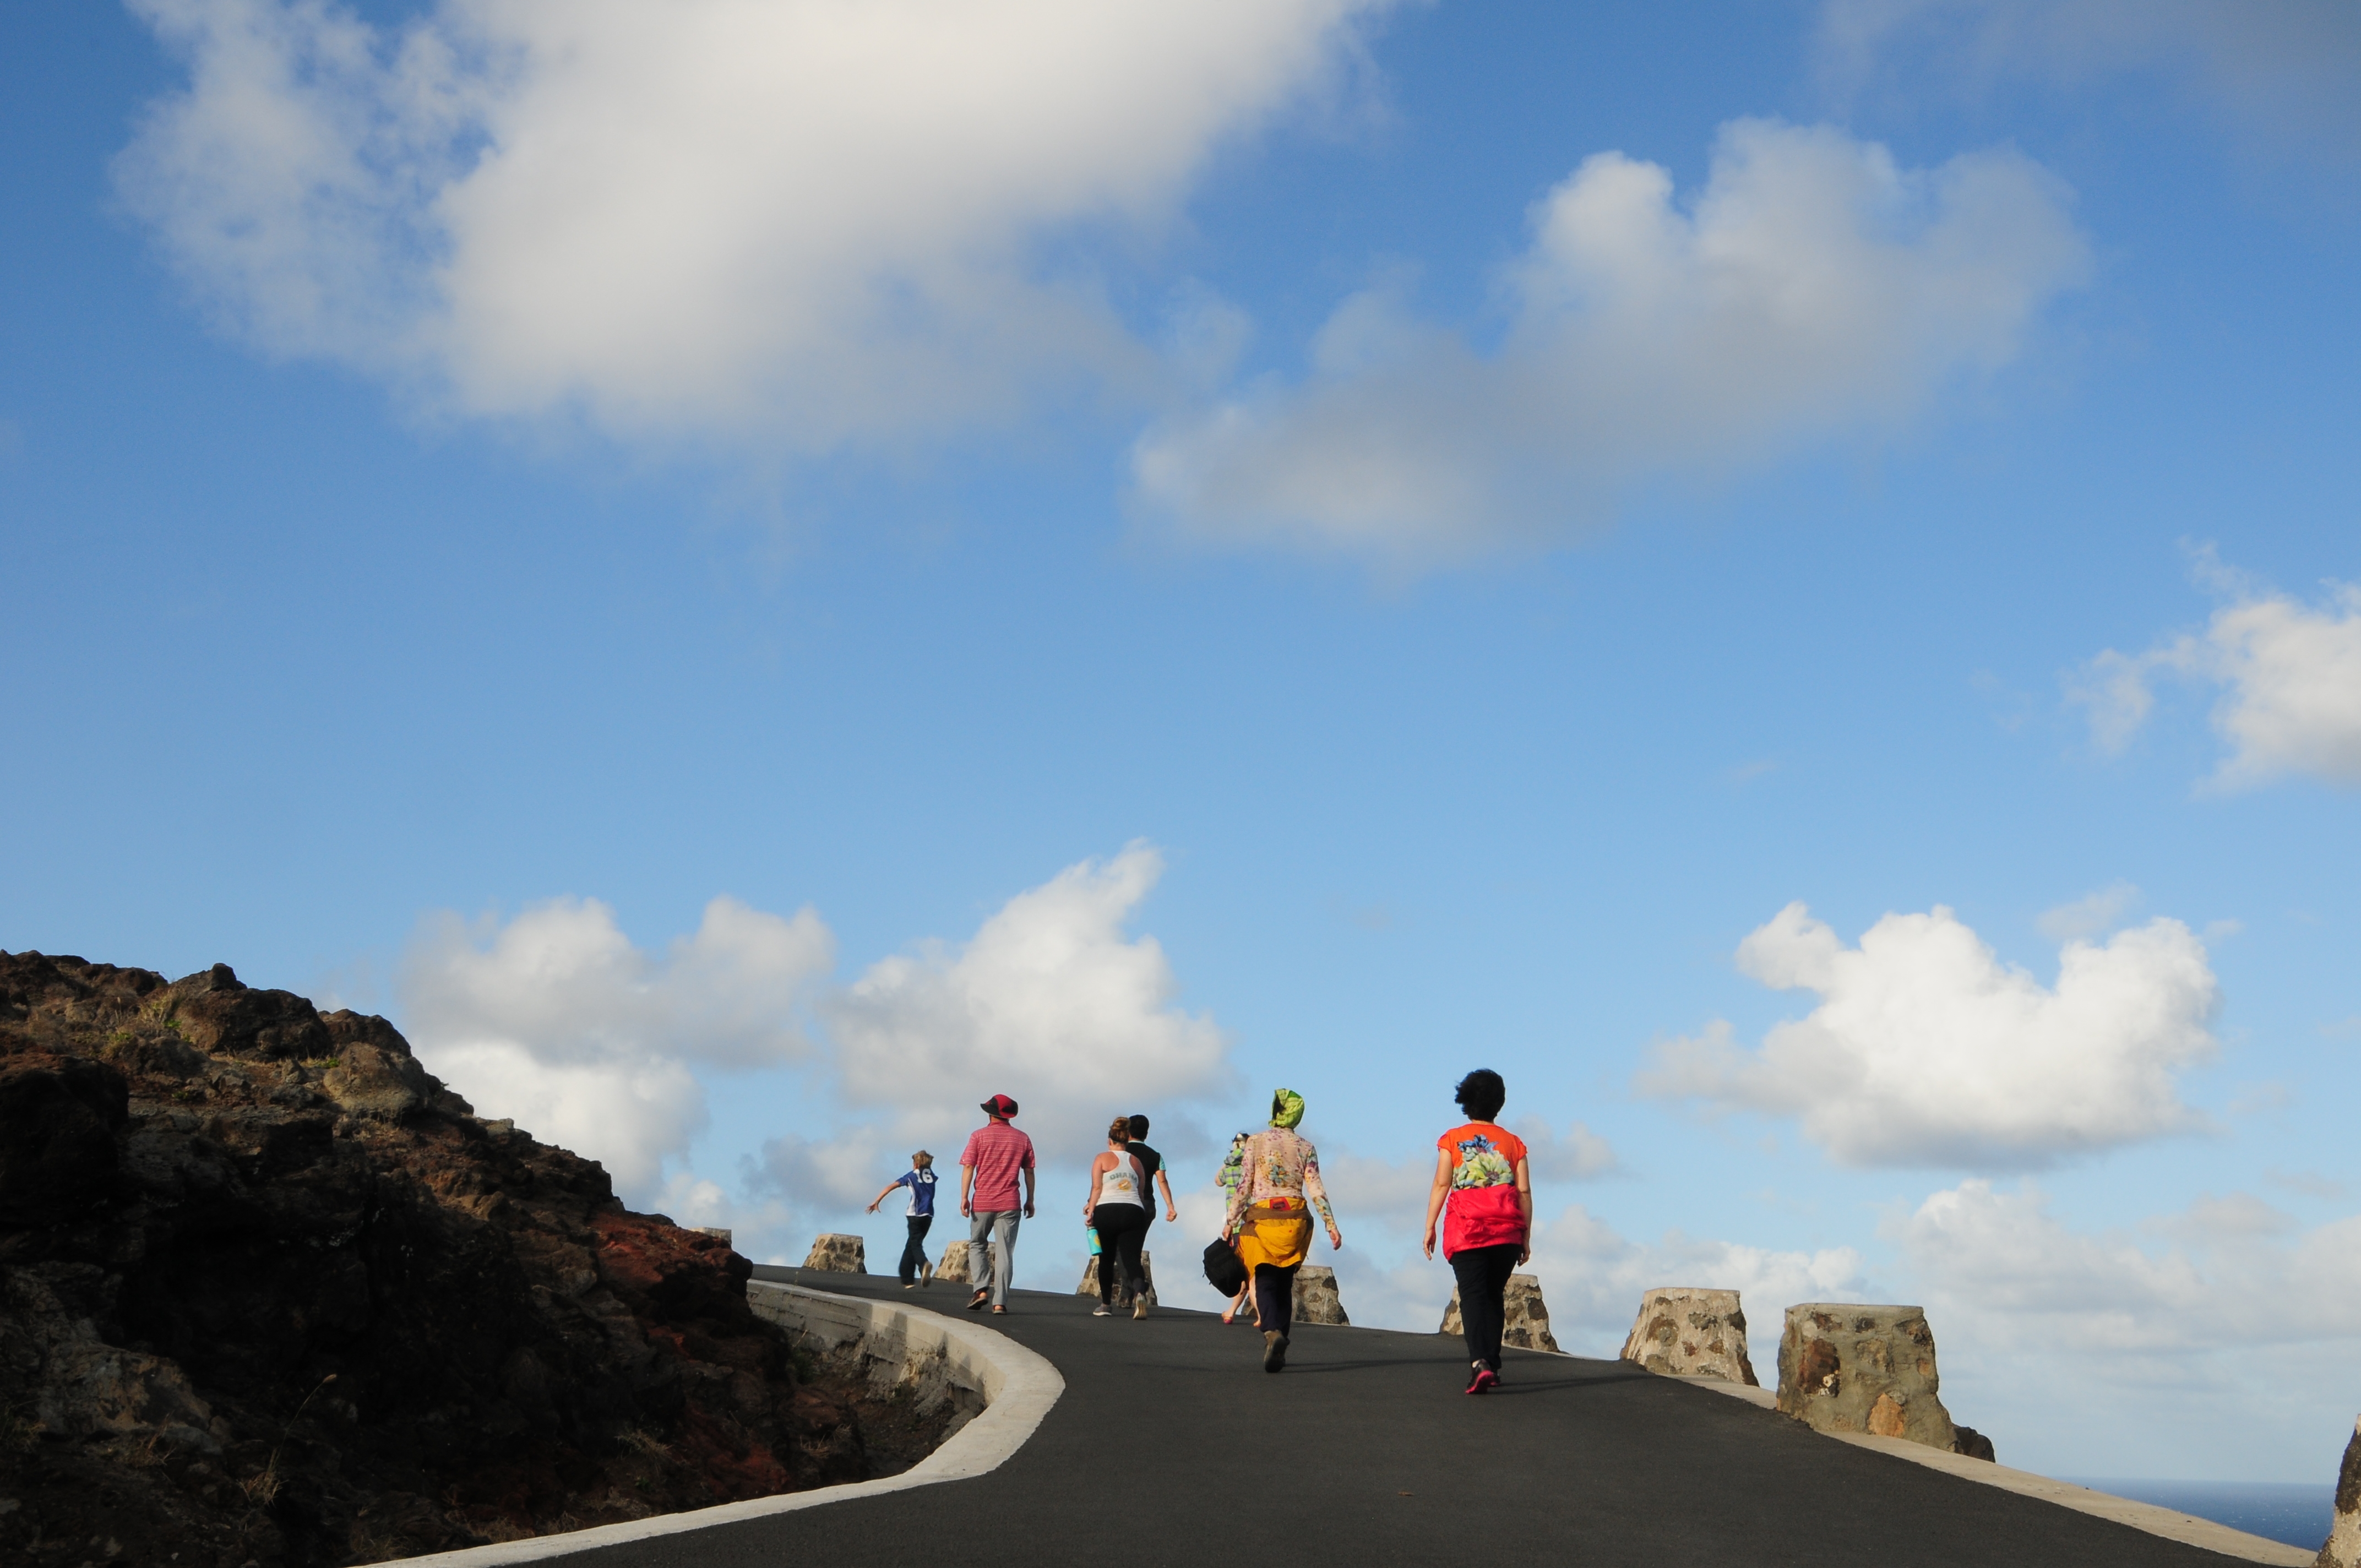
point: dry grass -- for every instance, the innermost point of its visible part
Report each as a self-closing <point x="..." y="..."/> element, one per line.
<point x="646" y="1442"/>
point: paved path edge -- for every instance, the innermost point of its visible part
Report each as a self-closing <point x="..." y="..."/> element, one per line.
<point x="2169" y="1523"/>
<point x="1019" y="1385"/>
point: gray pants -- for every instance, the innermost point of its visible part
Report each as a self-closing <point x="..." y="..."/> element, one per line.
<point x="992" y="1265"/>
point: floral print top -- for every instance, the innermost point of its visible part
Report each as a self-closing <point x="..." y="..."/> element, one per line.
<point x="1279" y="1169"/>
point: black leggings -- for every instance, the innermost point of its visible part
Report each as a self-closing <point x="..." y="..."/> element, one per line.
<point x="914" y="1251"/>
<point x="1483" y="1274"/>
<point x="1121" y="1228"/>
<point x="1275" y="1298"/>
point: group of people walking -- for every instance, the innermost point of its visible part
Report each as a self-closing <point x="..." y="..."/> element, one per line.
<point x="1482" y="1198"/>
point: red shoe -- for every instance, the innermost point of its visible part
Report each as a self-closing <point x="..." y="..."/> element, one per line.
<point x="1483" y="1380"/>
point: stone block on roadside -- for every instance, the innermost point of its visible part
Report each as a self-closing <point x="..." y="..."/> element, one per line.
<point x="951" y="1267"/>
<point x="1316" y="1297"/>
<point x="1686" y="1330"/>
<point x="1090" y="1283"/>
<point x="1527" y="1322"/>
<point x="838" y="1253"/>
<point x="2342" y="1548"/>
<point x="1846" y="1368"/>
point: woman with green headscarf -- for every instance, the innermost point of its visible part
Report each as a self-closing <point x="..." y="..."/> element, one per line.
<point x="1271" y="1220"/>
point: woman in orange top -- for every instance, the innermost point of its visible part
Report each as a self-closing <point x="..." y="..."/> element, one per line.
<point x="1482" y="1178"/>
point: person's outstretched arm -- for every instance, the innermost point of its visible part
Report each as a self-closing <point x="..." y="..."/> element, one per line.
<point x="1315" y="1192"/>
<point x="882" y="1196"/>
<point x="1438" y="1193"/>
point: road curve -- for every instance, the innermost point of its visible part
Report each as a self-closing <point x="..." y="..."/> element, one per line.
<point x="1172" y="1445"/>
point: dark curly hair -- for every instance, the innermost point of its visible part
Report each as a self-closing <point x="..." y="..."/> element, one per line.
<point x="1481" y="1094"/>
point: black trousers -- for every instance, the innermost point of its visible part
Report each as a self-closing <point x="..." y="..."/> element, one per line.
<point x="1274" y="1290"/>
<point x="913" y="1252"/>
<point x="1122" y="1227"/>
<point x="1483" y="1274"/>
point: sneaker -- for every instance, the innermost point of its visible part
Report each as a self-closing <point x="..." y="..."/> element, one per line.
<point x="1139" y="1308"/>
<point x="1274" y="1350"/>
<point x="926" y="1272"/>
<point x="978" y="1299"/>
<point x="909" y="1284"/>
<point x="1102" y="1311"/>
<point x="1484" y="1379"/>
<point x="1000" y="1312"/>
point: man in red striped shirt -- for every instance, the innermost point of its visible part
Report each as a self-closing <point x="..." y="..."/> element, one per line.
<point x="989" y="1167"/>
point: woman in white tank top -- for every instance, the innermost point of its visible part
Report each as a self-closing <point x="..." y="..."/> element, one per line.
<point x="1117" y="1210"/>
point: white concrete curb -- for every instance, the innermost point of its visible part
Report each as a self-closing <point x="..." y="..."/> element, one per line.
<point x="2187" y="1529"/>
<point x="1019" y="1387"/>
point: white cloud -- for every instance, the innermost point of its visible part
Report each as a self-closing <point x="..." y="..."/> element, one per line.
<point x="1813" y="289"/>
<point x="2232" y="1273"/>
<point x="2090" y="914"/>
<point x="1366" y="1190"/>
<point x="2164" y="1345"/>
<point x="1051" y="1002"/>
<point x="1925" y="1049"/>
<point x="798" y="221"/>
<point x="1592" y="1277"/>
<point x="2290" y="674"/>
<point x="2286" y="68"/>
<point x="557" y="1020"/>
<point x="1578" y="1155"/>
<point x="838" y="1174"/>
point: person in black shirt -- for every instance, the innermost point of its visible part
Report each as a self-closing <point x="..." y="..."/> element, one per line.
<point x="1153" y="1163"/>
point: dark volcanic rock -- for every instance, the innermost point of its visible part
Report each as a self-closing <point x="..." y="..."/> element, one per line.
<point x="269" y="1293"/>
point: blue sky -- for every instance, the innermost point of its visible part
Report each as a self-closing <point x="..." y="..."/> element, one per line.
<point x="1315" y="543"/>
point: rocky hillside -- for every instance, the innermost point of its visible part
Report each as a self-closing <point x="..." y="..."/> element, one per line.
<point x="271" y="1294"/>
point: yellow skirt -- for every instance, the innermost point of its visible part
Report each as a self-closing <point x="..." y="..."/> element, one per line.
<point x="1282" y="1240"/>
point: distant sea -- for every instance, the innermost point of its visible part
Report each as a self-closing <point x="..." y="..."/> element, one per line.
<point x="2298" y="1514"/>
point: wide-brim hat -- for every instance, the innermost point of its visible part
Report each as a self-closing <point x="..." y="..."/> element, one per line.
<point x="1001" y="1105"/>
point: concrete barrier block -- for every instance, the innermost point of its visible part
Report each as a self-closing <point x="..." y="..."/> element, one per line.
<point x="839" y="1254"/>
<point x="2343" y="1548"/>
<point x="1684" y="1331"/>
<point x="1847" y="1367"/>
<point x="1317" y="1299"/>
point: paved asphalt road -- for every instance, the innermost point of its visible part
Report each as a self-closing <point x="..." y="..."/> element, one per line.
<point x="1172" y="1445"/>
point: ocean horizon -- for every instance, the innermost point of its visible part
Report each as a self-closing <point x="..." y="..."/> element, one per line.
<point x="2298" y="1513"/>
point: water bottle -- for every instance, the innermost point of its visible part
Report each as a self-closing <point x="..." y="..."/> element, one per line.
<point x="1093" y="1232"/>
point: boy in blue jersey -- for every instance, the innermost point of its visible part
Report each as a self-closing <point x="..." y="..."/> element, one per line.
<point x="920" y="1179"/>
